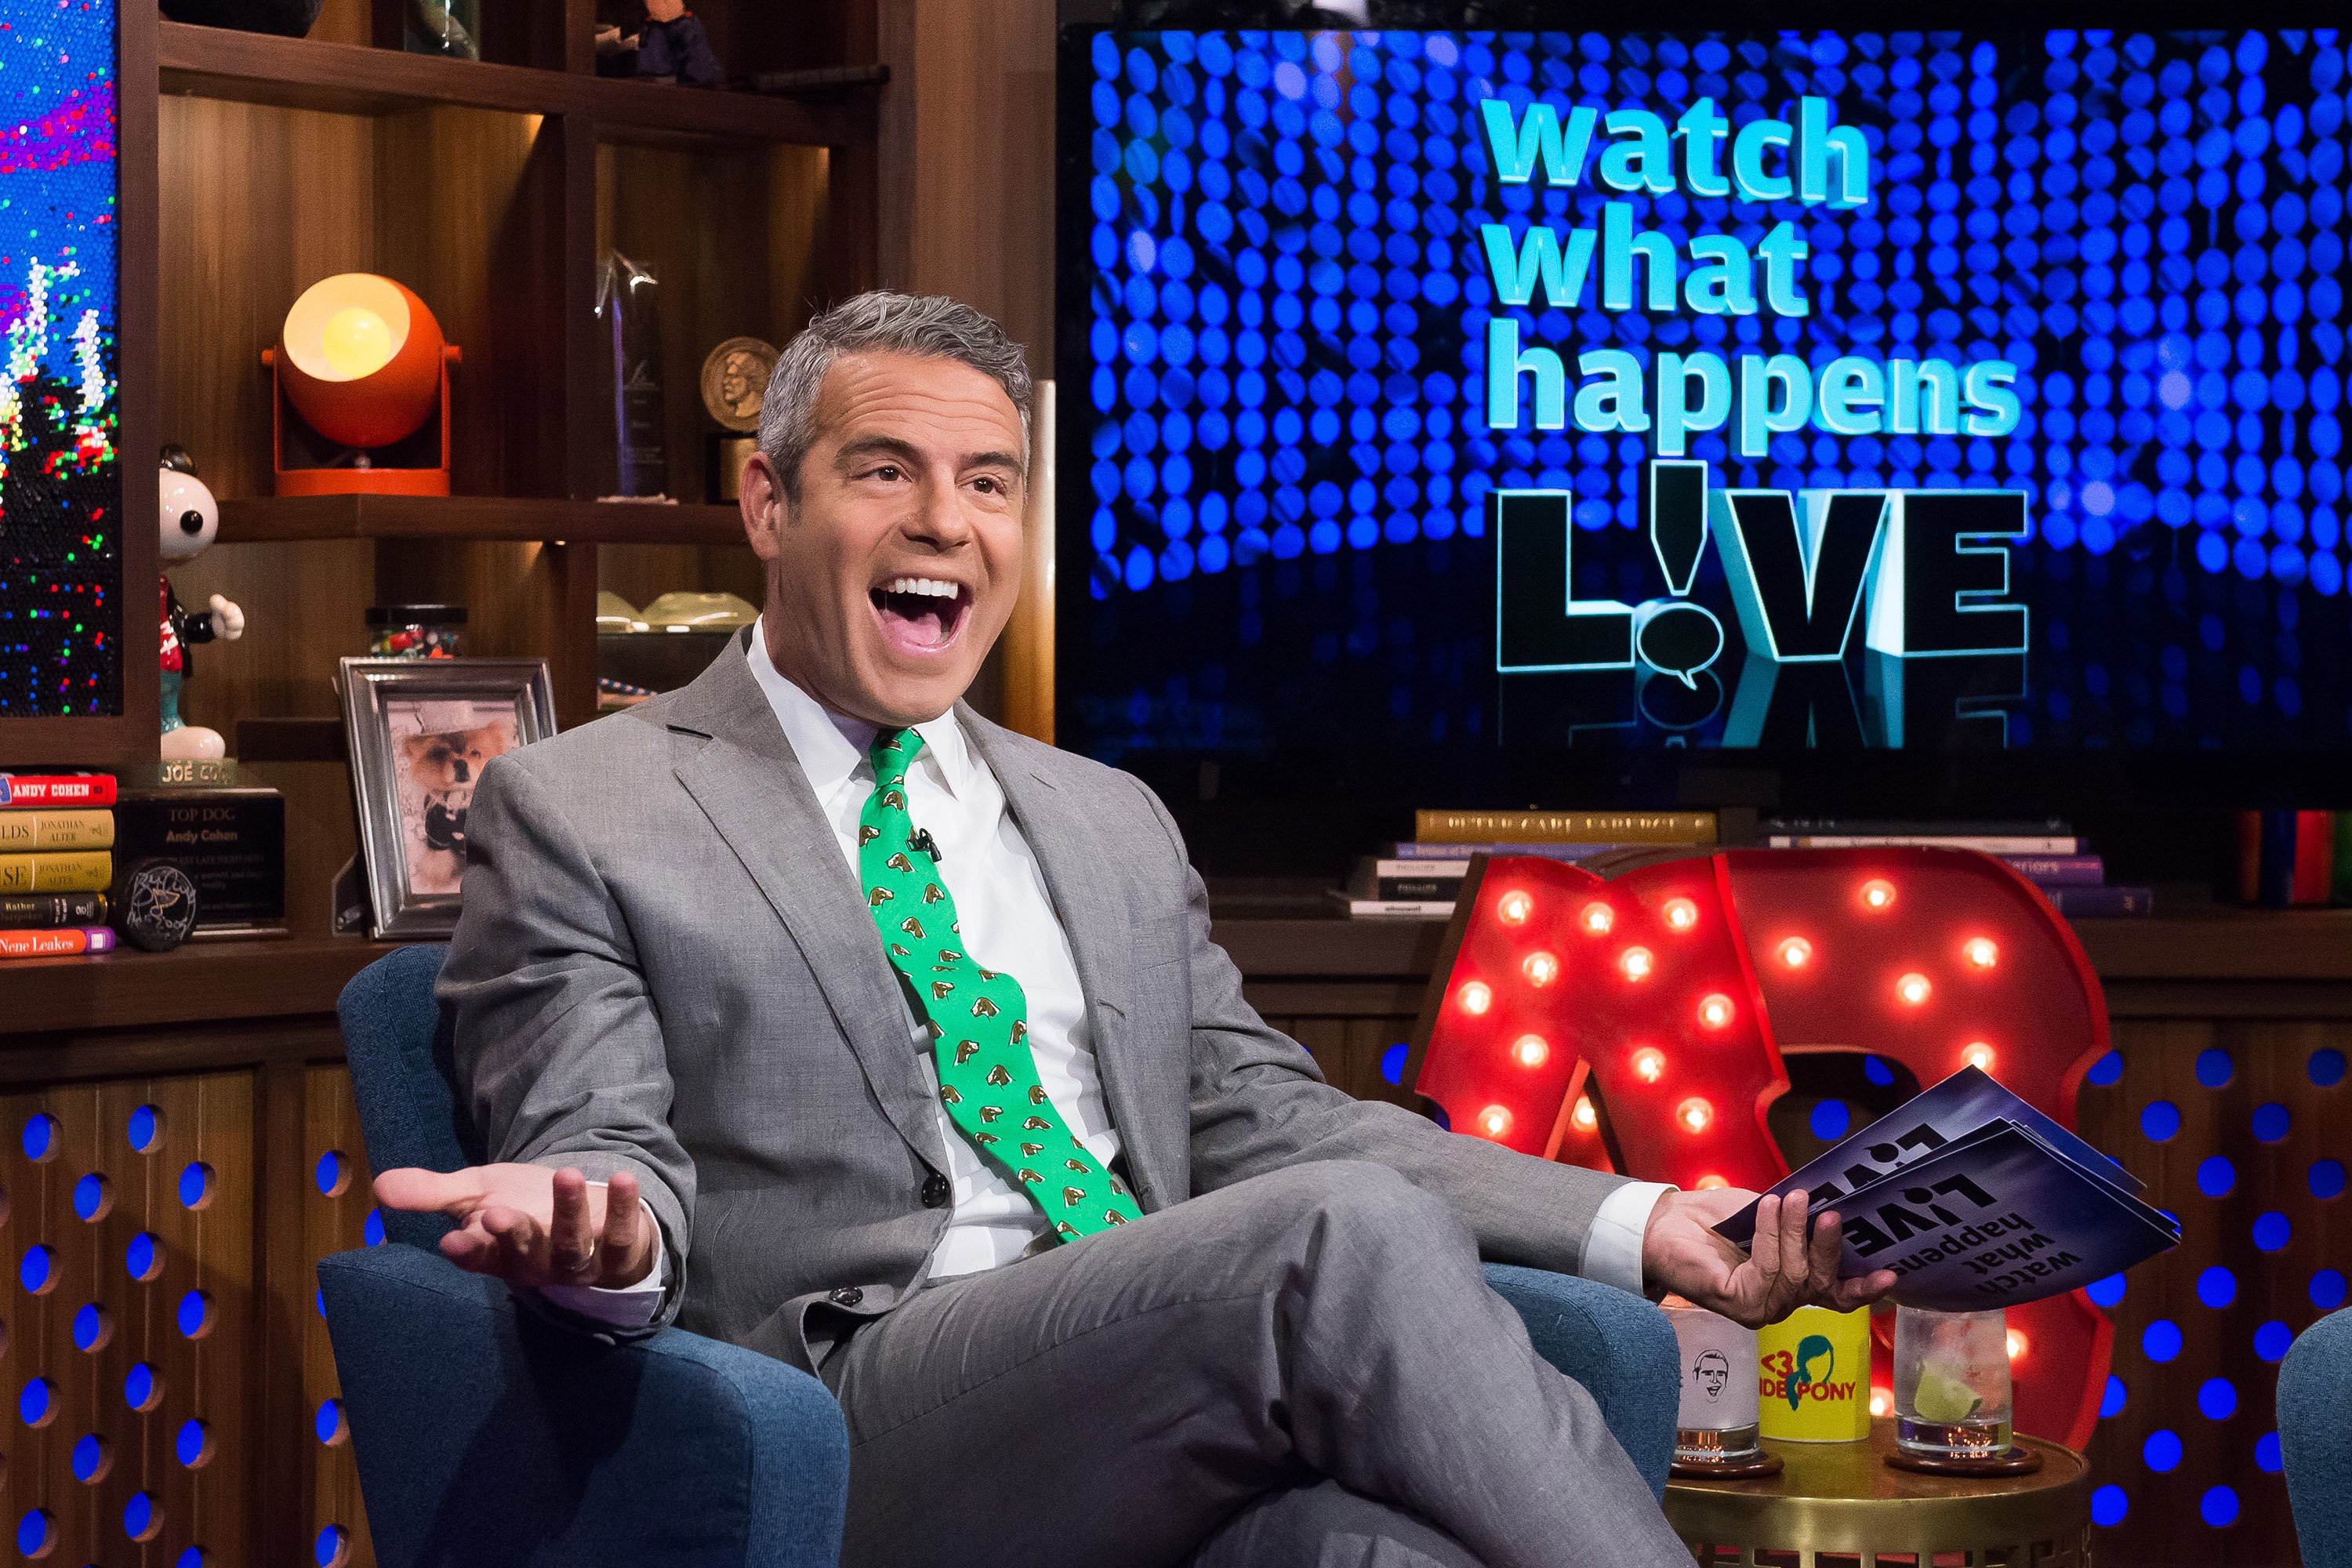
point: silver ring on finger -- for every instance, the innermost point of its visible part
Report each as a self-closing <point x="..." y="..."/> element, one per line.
<point x="586" y="1264"/>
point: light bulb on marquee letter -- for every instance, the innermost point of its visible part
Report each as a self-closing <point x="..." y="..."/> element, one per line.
<point x="1597" y="918"/>
<point x="1475" y="997"/>
<point x="1877" y="893"/>
<point x="1513" y="908"/>
<point x="1540" y="968"/>
<point x="1636" y="961"/>
<point x="1494" y="1121"/>
<point x="1530" y="1050"/>
<point x="1978" y="1054"/>
<point x="1796" y="952"/>
<point x="1715" y="1010"/>
<point x="1694" y="1114"/>
<point x="1649" y="1064"/>
<point x="1981" y="951"/>
<point x="1680" y="914"/>
<point x="1584" y="1116"/>
<point x="1913" y="988"/>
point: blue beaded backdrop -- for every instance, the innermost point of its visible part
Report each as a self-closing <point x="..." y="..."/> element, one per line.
<point x="60" y="485"/>
<point x="1281" y="286"/>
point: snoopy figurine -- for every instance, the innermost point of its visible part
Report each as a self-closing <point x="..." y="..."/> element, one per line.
<point x="189" y="519"/>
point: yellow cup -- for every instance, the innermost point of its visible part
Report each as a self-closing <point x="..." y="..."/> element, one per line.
<point x="1814" y="1376"/>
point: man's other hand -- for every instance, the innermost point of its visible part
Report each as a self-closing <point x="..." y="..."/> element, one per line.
<point x="531" y="1226"/>
<point x="1778" y="1273"/>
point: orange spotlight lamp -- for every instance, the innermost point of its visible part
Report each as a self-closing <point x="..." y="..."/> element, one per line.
<point x="363" y="364"/>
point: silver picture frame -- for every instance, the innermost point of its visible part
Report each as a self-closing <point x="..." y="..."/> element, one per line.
<point x="419" y="731"/>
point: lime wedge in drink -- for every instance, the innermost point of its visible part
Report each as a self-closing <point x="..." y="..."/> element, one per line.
<point x="1944" y="1397"/>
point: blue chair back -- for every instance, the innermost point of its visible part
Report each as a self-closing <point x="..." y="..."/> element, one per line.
<point x="397" y="1042"/>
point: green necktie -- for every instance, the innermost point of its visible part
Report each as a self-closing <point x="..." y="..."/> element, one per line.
<point x="979" y="1019"/>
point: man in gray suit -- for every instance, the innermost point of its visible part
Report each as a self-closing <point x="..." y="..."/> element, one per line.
<point x="810" y="1010"/>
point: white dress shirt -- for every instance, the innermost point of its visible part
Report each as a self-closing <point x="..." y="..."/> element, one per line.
<point x="1008" y="924"/>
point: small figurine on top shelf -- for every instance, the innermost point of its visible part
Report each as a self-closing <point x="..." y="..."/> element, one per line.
<point x="671" y="45"/>
<point x="188" y="520"/>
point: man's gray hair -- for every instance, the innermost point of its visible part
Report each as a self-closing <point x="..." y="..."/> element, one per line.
<point x="928" y="325"/>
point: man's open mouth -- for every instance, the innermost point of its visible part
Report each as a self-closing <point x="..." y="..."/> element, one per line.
<point x="921" y="615"/>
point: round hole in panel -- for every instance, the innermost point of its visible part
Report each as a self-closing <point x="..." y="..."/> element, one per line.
<point x="193" y="1444"/>
<point x="2160" y="1341"/>
<point x="38" y="1271"/>
<point x="2217" y="1507"/>
<point x="329" y="1423"/>
<point x="1876" y="1070"/>
<point x="142" y="1387"/>
<point x="2105" y="1291"/>
<point x="93" y="1196"/>
<point x="2271" y="1121"/>
<point x="2108" y="1069"/>
<point x="334" y="1172"/>
<point x="2272" y="1339"/>
<point x="2327" y="1289"/>
<point x="143" y="1516"/>
<point x="193" y="1557"/>
<point x="2217" y="1286"/>
<point x="2216" y="1175"/>
<point x="37" y="1402"/>
<point x="41" y="1136"/>
<point x="2216" y="1398"/>
<point x="2267" y="1457"/>
<point x="2214" y="1067"/>
<point x="145" y="1129"/>
<point x="1391" y="1065"/>
<point x="144" y="1256"/>
<point x="332" y="1548"/>
<point x="2162" y="1450"/>
<point x="2108" y="1505"/>
<point x="2111" y="1402"/>
<point x="371" y="1230"/>
<point x="2272" y="1231"/>
<point x="197" y="1315"/>
<point x="2327" y="1178"/>
<point x="92" y="1459"/>
<point x="93" y="1326"/>
<point x="2325" y="1067"/>
<point x="36" y="1534"/>
<point x="1830" y="1120"/>
<point x="2160" y="1119"/>
<point x="196" y="1185"/>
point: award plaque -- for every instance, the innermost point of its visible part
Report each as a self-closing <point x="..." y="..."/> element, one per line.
<point x="734" y="385"/>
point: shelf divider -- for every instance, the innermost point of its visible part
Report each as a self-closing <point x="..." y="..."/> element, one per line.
<point x="269" y="519"/>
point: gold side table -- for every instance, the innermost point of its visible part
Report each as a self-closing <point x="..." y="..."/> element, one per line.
<point x="1843" y="1501"/>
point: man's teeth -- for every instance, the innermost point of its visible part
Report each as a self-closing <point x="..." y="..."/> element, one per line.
<point x="929" y="587"/>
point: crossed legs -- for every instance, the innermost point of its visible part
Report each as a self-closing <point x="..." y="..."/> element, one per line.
<point x="1190" y="1382"/>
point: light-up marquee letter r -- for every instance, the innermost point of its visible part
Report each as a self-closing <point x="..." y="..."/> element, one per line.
<point x="1540" y="622"/>
<point x="1941" y="562"/>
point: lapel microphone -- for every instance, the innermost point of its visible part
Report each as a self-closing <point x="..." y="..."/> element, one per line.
<point x="921" y="843"/>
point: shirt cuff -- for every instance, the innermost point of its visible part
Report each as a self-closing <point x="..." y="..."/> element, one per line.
<point x="622" y="1306"/>
<point x="1613" y="1247"/>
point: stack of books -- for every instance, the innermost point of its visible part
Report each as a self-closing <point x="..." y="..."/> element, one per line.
<point x="1420" y="880"/>
<point x="2048" y="854"/>
<point x="57" y="860"/>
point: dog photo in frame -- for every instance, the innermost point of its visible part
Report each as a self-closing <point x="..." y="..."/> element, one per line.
<point x="420" y="732"/>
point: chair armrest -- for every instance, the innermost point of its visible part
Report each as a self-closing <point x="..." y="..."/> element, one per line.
<point x="488" y="1434"/>
<point x="1619" y="1346"/>
<point x="2315" y="1427"/>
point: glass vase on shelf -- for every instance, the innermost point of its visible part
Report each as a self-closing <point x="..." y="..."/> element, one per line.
<point x="1951" y="1384"/>
<point x="450" y="28"/>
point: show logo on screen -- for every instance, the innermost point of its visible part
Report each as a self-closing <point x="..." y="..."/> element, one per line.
<point x="1932" y="566"/>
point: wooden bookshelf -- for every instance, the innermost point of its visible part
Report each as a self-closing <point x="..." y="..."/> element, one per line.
<point x="277" y="520"/>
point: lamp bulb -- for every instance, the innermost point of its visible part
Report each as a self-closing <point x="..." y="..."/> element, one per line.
<point x="1514" y="908"/>
<point x="1540" y="968"/>
<point x="1715" y="1010"/>
<point x="1913" y="988"/>
<point x="1597" y="918"/>
<point x="1636" y="961"/>
<point x="1796" y="952"/>
<point x="1877" y="893"/>
<point x="1530" y="1050"/>
<point x="1978" y="1054"/>
<point x="1981" y="951"/>
<point x="1711" y="1182"/>
<point x="1494" y="1121"/>
<point x="356" y="341"/>
<point x="1584" y="1116"/>
<point x="1475" y="997"/>
<point x="1649" y="1064"/>
<point x="1694" y="1114"/>
<point x="2018" y="1344"/>
<point x="1681" y="914"/>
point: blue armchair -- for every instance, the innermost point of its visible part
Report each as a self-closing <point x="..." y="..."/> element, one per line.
<point x="485" y="1435"/>
<point x="2315" y="1427"/>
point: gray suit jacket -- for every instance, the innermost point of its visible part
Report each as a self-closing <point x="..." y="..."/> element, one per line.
<point x="665" y="966"/>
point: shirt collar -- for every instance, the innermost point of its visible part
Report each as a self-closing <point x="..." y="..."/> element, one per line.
<point x="830" y="746"/>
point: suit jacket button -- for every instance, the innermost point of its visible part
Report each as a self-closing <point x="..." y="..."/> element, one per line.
<point x="848" y="1296"/>
<point x="936" y="1191"/>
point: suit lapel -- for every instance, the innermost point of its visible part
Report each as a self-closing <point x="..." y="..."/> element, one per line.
<point x="750" y="784"/>
<point x="1078" y="865"/>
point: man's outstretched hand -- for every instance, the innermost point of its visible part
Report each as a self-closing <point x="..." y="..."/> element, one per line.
<point x="531" y="1226"/>
<point x="1779" y="1273"/>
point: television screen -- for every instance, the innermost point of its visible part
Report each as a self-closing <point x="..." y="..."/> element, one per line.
<point x="1772" y="391"/>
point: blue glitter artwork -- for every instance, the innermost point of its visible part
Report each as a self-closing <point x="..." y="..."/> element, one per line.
<point x="60" y="484"/>
<point x="1277" y="458"/>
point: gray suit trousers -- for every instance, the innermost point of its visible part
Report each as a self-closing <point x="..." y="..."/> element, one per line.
<point x="1306" y="1367"/>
